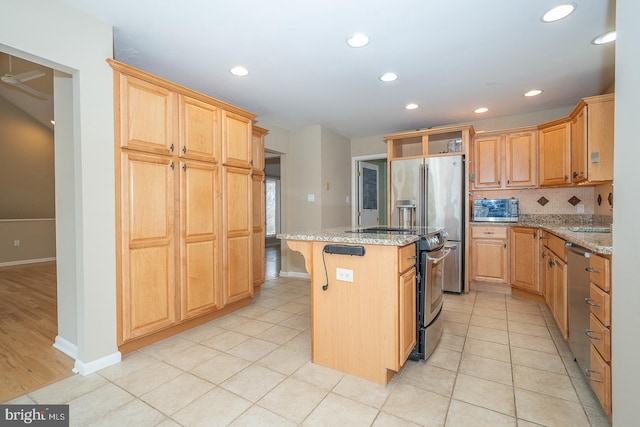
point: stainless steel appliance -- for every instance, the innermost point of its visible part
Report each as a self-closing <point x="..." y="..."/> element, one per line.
<point x="433" y="187"/>
<point x="578" y="304"/>
<point x="432" y="254"/>
<point x="495" y="210"/>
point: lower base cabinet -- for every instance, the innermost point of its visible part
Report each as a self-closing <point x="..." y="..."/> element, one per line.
<point x="489" y="254"/>
<point x="523" y="259"/>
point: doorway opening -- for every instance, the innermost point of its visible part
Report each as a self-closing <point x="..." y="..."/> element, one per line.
<point x="272" y="171"/>
<point x="369" y="190"/>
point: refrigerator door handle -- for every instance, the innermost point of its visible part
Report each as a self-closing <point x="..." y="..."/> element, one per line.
<point x="424" y="197"/>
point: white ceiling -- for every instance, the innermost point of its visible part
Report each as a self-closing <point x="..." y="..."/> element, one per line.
<point x="451" y="56"/>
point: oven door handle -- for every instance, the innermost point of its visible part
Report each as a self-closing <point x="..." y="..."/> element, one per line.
<point x="437" y="260"/>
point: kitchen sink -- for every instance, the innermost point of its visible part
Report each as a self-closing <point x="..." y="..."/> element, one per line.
<point x="589" y="229"/>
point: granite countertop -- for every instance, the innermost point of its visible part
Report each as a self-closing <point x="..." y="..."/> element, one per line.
<point x="600" y="243"/>
<point x="348" y="234"/>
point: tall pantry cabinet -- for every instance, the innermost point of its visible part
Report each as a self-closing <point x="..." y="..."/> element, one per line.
<point x="183" y="200"/>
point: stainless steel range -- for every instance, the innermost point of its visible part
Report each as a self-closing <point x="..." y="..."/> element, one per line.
<point x="431" y="258"/>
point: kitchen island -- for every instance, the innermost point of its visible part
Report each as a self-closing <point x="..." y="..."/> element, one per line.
<point x="363" y="300"/>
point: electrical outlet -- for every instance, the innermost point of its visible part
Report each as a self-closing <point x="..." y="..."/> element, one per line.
<point x="16" y="243"/>
<point x="344" y="275"/>
<point x="580" y="207"/>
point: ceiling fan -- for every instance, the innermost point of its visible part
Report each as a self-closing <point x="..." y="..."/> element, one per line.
<point x="18" y="80"/>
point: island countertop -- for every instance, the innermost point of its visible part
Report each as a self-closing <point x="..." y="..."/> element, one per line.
<point x="351" y="235"/>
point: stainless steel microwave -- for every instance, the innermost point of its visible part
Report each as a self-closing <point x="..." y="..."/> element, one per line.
<point x="495" y="210"/>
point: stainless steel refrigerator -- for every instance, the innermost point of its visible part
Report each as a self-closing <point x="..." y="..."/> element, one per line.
<point x="429" y="192"/>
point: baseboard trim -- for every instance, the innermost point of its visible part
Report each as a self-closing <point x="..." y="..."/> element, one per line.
<point x="66" y="347"/>
<point x="297" y="274"/>
<point x="26" y="261"/>
<point x="87" y="368"/>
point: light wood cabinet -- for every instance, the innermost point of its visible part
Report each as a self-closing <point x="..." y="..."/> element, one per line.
<point x="147" y="244"/>
<point x="555" y="280"/>
<point x="521" y="159"/>
<point x="600" y="328"/>
<point x="505" y="160"/>
<point x="363" y="327"/>
<point x="592" y="139"/>
<point x="237" y="139"/>
<point x="523" y="259"/>
<point x="170" y="239"/>
<point x="407" y="301"/>
<point x="554" y="153"/>
<point x="258" y="203"/>
<point x="430" y="142"/>
<point x="145" y="113"/>
<point x="487" y="162"/>
<point x="200" y="272"/>
<point x="199" y="126"/>
<point x="237" y="228"/>
<point x="489" y="254"/>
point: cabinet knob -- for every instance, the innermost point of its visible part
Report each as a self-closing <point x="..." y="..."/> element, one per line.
<point x="588" y="373"/>
<point x="184" y="167"/>
<point x="590" y="302"/>
<point x="172" y="148"/>
<point x="172" y="166"/>
<point x="589" y="332"/>
<point x="575" y="174"/>
<point x="184" y="149"/>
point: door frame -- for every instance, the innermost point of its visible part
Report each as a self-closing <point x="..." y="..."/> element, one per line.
<point x="354" y="183"/>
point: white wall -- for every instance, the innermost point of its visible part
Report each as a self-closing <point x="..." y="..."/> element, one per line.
<point x="336" y="179"/>
<point x="64" y="39"/>
<point x="625" y="323"/>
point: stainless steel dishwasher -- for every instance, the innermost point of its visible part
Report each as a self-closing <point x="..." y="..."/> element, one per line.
<point x="578" y="308"/>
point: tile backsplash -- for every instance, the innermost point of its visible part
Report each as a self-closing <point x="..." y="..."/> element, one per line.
<point x="561" y="201"/>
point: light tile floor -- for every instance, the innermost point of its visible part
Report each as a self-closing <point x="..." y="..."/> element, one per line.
<point x="501" y="362"/>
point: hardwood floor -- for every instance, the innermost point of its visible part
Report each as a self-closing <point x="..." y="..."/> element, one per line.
<point x="28" y="327"/>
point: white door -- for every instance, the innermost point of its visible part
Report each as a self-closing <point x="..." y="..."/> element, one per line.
<point x="367" y="194"/>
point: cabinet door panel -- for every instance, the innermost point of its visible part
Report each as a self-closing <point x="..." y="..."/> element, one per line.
<point x="238" y="275"/>
<point x="579" y="146"/>
<point x="200" y="272"/>
<point x="524" y="259"/>
<point x="147" y="244"/>
<point x="521" y="159"/>
<point x="554" y="144"/>
<point x="407" y="303"/>
<point x="145" y="119"/>
<point x="238" y="279"/>
<point x="236" y="136"/>
<point x="487" y="162"/>
<point x="199" y="129"/>
<point x="258" y="227"/>
<point x="489" y="260"/>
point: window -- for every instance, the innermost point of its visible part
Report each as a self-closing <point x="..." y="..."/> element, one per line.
<point x="272" y="206"/>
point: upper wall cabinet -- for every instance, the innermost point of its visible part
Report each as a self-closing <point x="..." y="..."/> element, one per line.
<point x="236" y="134"/>
<point x="430" y="142"/>
<point x="505" y="160"/>
<point x="592" y="140"/>
<point x="199" y="129"/>
<point x="554" y="153"/>
<point x="146" y="111"/>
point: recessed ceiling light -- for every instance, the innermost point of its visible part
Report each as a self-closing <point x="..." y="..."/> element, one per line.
<point x="533" y="92"/>
<point x="481" y="110"/>
<point x="411" y="106"/>
<point x="605" y="38"/>
<point x="239" y="71"/>
<point x="559" y="12"/>
<point x="388" y="77"/>
<point x="358" y="40"/>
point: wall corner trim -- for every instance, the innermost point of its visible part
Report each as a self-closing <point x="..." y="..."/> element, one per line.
<point x="87" y="368"/>
<point x="66" y="347"/>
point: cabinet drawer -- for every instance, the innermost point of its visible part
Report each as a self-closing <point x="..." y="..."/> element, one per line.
<point x="600" y="378"/>
<point x="600" y="337"/>
<point x="556" y="244"/>
<point x="600" y="304"/>
<point x="489" y="232"/>
<point x="600" y="272"/>
<point x="407" y="257"/>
